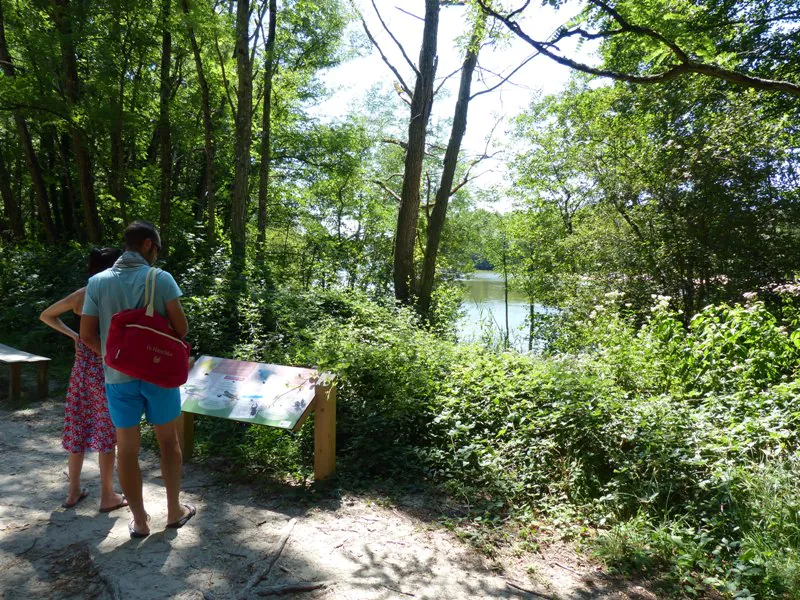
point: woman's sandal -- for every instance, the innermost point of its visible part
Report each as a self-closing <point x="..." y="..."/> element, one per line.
<point x="83" y="495"/>
<point x="122" y="504"/>
<point x="185" y="519"/>
<point x="132" y="529"/>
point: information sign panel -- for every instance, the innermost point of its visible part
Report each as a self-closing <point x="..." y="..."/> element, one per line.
<point x="251" y="392"/>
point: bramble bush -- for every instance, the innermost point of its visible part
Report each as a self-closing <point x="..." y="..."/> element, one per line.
<point x="677" y="445"/>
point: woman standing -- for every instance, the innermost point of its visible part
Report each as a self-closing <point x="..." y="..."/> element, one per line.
<point x="87" y="424"/>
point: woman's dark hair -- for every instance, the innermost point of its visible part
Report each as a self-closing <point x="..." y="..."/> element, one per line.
<point x="101" y="259"/>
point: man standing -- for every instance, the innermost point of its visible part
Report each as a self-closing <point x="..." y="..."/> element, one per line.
<point x="116" y="289"/>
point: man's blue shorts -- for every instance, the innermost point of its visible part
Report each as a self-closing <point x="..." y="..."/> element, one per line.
<point x="127" y="401"/>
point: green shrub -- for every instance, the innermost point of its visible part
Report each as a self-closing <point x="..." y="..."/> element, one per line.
<point x="390" y="372"/>
<point x="30" y="280"/>
<point x="678" y="444"/>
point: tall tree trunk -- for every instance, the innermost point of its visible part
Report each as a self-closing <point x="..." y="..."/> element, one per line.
<point x="531" y="323"/>
<point x="27" y="143"/>
<point x="85" y="181"/>
<point x="244" y="113"/>
<point x="116" y="99"/>
<point x="62" y="19"/>
<point x="198" y="209"/>
<point x="421" y="102"/>
<point x="439" y="213"/>
<point x="206" y="196"/>
<point x="117" y="183"/>
<point x="47" y="143"/>
<point x="35" y="170"/>
<point x="10" y="206"/>
<point x="264" y="168"/>
<point x="505" y="288"/>
<point x="164" y="133"/>
<point x="67" y="193"/>
<point x="134" y="161"/>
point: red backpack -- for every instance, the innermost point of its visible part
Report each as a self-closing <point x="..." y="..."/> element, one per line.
<point x="142" y="344"/>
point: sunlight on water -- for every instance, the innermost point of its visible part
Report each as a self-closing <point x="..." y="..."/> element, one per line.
<point x="484" y="311"/>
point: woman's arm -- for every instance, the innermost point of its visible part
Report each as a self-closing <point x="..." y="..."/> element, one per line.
<point x="50" y="315"/>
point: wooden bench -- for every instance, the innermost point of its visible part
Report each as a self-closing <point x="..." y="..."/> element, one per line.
<point x="15" y="359"/>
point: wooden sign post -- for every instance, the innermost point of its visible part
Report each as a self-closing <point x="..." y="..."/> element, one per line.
<point x="324" y="428"/>
<point x="186" y="435"/>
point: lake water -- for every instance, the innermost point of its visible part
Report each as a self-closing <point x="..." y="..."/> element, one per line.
<point x="484" y="309"/>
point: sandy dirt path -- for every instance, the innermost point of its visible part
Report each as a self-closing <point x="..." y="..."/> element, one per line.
<point x="358" y="548"/>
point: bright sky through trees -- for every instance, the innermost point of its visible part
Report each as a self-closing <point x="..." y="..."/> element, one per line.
<point x="354" y="78"/>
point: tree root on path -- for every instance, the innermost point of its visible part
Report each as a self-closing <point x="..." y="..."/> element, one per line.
<point x="521" y="588"/>
<point x="398" y="591"/>
<point x="271" y="559"/>
<point x="291" y="588"/>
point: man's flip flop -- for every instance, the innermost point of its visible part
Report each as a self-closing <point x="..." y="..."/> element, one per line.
<point x="122" y="504"/>
<point x="83" y="495"/>
<point x="185" y="519"/>
<point x="132" y="529"/>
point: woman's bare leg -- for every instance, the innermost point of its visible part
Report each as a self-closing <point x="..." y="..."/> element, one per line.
<point x="75" y="464"/>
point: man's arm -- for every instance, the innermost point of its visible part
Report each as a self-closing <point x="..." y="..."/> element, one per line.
<point x="176" y="316"/>
<point x="90" y="333"/>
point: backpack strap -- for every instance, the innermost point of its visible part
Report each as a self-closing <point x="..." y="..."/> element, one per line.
<point x="150" y="291"/>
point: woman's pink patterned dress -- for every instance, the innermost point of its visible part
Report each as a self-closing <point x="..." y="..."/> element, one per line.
<point x="87" y="424"/>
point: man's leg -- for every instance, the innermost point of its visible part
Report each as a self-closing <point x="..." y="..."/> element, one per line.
<point x="130" y="476"/>
<point x="163" y="407"/>
<point x="126" y="405"/>
<point x="171" y="462"/>
<point x="108" y="497"/>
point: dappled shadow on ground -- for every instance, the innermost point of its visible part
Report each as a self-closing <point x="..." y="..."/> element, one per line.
<point x="593" y="588"/>
<point x="360" y="549"/>
<point x="556" y="571"/>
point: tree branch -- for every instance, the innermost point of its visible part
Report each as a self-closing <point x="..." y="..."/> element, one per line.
<point x="403" y="84"/>
<point x="640" y="29"/>
<point x="479" y="159"/>
<point x="686" y="65"/>
<point x="401" y="93"/>
<point x="444" y="80"/>
<point x="410" y="14"/>
<point x="466" y="179"/>
<point x="224" y="77"/>
<point x="401" y="143"/>
<point x="386" y="189"/>
<point x="565" y="33"/>
<point x="49" y="111"/>
<point x="506" y="78"/>
<point x="259" y="27"/>
<point x="404" y="145"/>
<point x="394" y="39"/>
<point x="514" y="13"/>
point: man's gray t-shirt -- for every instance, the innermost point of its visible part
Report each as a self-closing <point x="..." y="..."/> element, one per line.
<point x="122" y="287"/>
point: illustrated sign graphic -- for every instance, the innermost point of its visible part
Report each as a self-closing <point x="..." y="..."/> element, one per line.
<point x="261" y="393"/>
